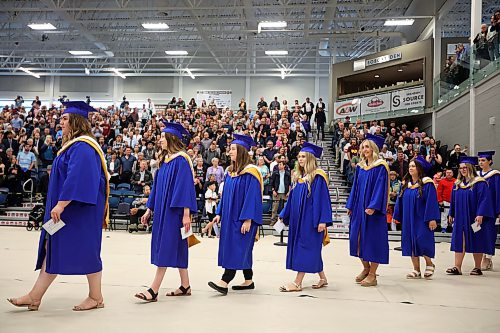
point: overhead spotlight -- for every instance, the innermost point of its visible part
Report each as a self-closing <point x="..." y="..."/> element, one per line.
<point x="276" y="52"/>
<point x="42" y="26"/>
<point x="29" y="72"/>
<point x="400" y="69"/>
<point x="155" y="26"/>
<point x="270" y="24"/>
<point x="399" y="22"/>
<point x="117" y="72"/>
<point x="87" y="71"/>
<point x="177" y="52"/>
<point x="283" y="72"/>
<point x="376" y="76"/>
<point x="80" y="53"/>
<point x="190" y="73"/>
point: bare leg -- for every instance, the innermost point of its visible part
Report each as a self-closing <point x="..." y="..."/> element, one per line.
<point x="95" y="293"/>
<point x="364" y="273"/>
<point x="299" y="278"/>
<point x="459" y="259"/>
<point x="428" y="261"/>
<point x="416" y="263"/>
<point x="478" y="257"/>
<point x="160" y="273"/>
<point x="183" y="273"/>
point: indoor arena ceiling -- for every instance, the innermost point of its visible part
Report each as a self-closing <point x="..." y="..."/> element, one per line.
<point x="220" y="37"/>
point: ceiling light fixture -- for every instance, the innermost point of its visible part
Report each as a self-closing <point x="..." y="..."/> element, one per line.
<point x="377" y="76"/>
<point x="283" y="72"/>
<point x="117" y="72"/>
<point x="155" y="26"/>
<point x="400" y="69"/>
<point x="87" y="71"/>
<point x="392" y="23"/>
<point x="276" y="53"/>
<point x="42" y="26"/>
<point x="270" y="24"/>
<point x="29" y="72"/>
<point x="177" y="53"/>
<point x="190" y="73"/>
<point x="109" y="53"/>
<point x="79" y="53"/>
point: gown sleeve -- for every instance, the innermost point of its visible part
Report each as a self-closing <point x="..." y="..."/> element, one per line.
<point x="322" y="205"/>
<point x="495" y="184"/>
<point x="451" y="212"/>
<point x="398" y="209"/>
<point x="378" y="200"/>
<point x="83" y="175"/>
<point x="252" y="202"/>
<point x="431" y="208"/>
<point x="483" y="197"/>
<point x="152" y="195"/>
<point x="354" y="189"/>
<point x="218" y="209"/>
<point x="285" y="212"/>
<point x="183" y="192"/>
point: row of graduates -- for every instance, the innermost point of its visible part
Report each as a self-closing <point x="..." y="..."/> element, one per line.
<point x="79" y="189"/>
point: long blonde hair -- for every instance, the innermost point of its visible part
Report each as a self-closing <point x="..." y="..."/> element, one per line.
<point x="471" y="173"/>
<point x="364" y="162"/>
<point x="307" y="172"/>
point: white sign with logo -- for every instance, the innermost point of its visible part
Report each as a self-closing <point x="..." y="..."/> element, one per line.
<point x="376" y="104"/>
<point x="408" y="98"/>
<point x="385" y="58"/>
<point x="347" y="108"/>
<point x="222" y="98"/>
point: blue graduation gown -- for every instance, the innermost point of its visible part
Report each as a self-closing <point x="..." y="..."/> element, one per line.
<point x="303" y="213"/>
<point x="370" y="190"/>
<point x="173" y="190"/>
<point x="467" y="202"/>
<point x="75" y="249"/>
<point x="241" y="200"/>
<point x="493" y="179"/>
<point x="415" y="211"/>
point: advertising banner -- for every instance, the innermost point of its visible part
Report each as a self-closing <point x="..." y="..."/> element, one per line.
<point x="222" y="98"/>
<point x="376" y="104"/>
<point x="347" y="108"/>
<point x="408" y="98"/>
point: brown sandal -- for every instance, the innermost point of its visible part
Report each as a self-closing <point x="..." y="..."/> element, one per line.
<point x="362" y="276"/>
<point x="372" y="283"/>
<point x="292" y="287"/>
<point x="33" y="306"/>
<point x="321" y="284"/>
<point x="184" y="292"/>
<point x="98" y="305"/>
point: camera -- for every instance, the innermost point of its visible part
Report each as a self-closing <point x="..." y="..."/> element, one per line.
<point x="87" y="99"/>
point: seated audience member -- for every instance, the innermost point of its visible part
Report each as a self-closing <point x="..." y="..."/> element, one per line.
<point x="142" y="177"/>
<point x="138" y="209"/>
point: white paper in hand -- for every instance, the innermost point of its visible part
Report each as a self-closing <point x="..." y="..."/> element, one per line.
<point x="475" y="227"/>
<point x="279" y="226"/>
<point x="52" y="227"/>
<point x="185" y="234"/>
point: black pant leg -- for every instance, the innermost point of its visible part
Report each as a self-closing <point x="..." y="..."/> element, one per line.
<point x="228" y="275"/>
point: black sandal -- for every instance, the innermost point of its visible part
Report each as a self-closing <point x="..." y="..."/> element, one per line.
<point x="184" y="292"/>
<point x="476" y="272"/>
<point x="154" y="296"/>
<point x="453" y="271"/>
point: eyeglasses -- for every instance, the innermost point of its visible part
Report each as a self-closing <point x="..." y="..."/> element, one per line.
<point x="463" y="168"/>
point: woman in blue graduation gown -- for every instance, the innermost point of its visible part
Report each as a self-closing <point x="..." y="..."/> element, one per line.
<point x="492" y="177"/>
<point x="240" y="214"/>
<point x="173" y="200"/>
<point x="77" y="195"/>
<point x="367" y="206"/>
<point x="417" y="209"/>
<point x="308" y="212"/>
<point x="470" y="205"/>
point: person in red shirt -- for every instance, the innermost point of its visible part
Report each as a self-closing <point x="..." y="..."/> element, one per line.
<point x="444" y="195"/>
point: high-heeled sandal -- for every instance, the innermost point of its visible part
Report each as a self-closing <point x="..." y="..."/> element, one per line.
<point x="142" y="296"/>
<point x="98" y="305"/>
<point x="184" y="292"/>
<point x="33" y="306"/>
<point x="321" y="284"/>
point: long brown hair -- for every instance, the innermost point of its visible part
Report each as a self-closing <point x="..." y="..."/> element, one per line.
<point x="78" y="126"/>
<point x="408" y="178"/>
<point x="242" y="160"/>
<point x="174" y="145"/>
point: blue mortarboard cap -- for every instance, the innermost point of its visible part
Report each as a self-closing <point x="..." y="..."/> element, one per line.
<point x="486" y="154"/>
<point x="307" y="125"/>
<point x="243" y="140"/>
<point x="176" y="129"/>
<point x="312" y="149"/>
<point x="379" y="141"/>
<point x="468" y="160"/>
<point x="78" y="107"/>
<point x="423" y="162"/>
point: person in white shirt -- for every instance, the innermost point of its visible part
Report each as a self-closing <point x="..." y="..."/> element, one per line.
<point x="211" y="199"/>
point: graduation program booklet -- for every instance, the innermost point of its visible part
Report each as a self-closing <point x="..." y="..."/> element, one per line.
<point x="279" y="226"/>
<point x="185" y="234"/>
<point x="51" y="227"/>
<point x="475" y="227"/>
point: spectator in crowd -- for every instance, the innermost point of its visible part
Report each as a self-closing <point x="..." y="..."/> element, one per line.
<point x="264" y="172"/>
<point x="212" y="152"/>
<point x="199" y="176"/>
<point x="280" y="183"/>
<point x="19" y="101"/>
<point x="211" y="199"/>
<point x="454" y="157"/>
<point x="435" y="161"/>
<point x="114" y="168"/>
<point x="275" y="105"/>
<point x="26" y="159"/>
<point x="127" y="162"/>
<point x="320" y="119"/>
<point x="3" y="174"/>
<point x="308" y="108"/>
<point x="44" y="181"/>
<point x="493" y="36"/>
<point x="395" y="187"/>
<point x="48" y="151"/>
<point x="400" y="165"/>
<point x="142" y="177"/>
<point x="14" y="182"/>
<point x="216" y="170"/>
<point x="262" y="103"/>
<point x="481" y="46"/>
<point x="10" y="142"/>
<point x="138" y="208"/>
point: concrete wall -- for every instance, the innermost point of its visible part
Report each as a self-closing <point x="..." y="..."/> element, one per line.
<point x="453" y="125"/>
